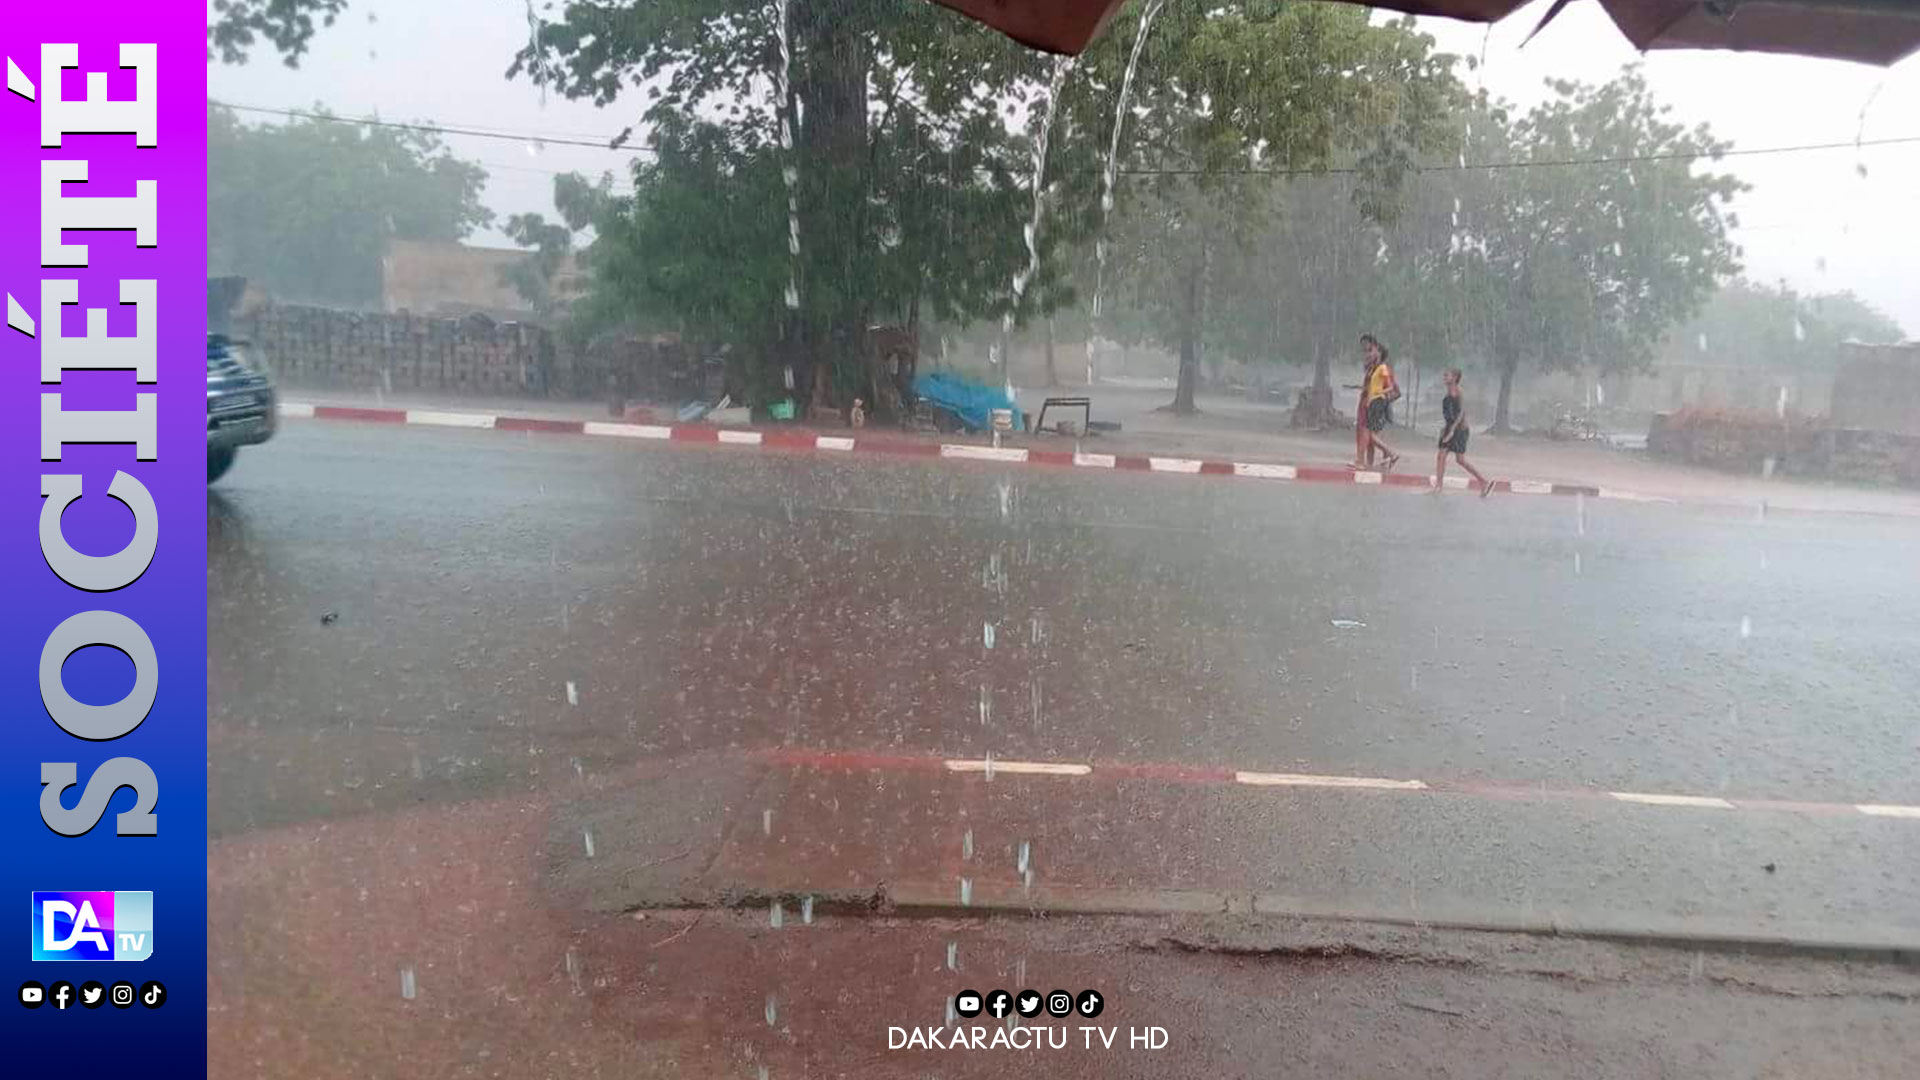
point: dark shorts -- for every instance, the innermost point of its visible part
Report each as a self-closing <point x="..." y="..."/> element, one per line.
<point x="1379" y="414"/>
<point x="1457" y="444"/>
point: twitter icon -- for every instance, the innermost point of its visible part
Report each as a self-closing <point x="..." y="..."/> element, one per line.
<point x="92" y="994"/>
<point x="1028" y="1003"/>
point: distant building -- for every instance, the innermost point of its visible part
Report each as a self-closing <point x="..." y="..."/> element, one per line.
<point x="1877" y="388"/>
<point x="436" y="278"/>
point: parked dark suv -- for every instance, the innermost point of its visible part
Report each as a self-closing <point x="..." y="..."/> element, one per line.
<point x="241" y="404"/>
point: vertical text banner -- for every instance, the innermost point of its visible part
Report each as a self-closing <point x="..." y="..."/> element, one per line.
<point x="103" y="808"/>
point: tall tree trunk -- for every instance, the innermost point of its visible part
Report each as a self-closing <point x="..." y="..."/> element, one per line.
<point x="1189" y="350"/>
<point x="1193" y="320"/>
<point x="1500" y="408"/>
<point x="830" y="75"/>
<point x="1053" y="377"/>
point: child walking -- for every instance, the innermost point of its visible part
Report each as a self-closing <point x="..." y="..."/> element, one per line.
<point x="1453" y="436"/>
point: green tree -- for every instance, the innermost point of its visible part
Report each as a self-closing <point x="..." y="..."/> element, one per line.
<point x="1226" y="96"/>
<point x="579" y="203"/>
<point x="307" y="208"/>
<point x="1771" y="326"/>
<point x="1603" y="232"/>
<point x="911" y="185"/>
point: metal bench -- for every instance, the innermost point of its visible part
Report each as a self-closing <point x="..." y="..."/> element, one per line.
<point x="1085" y="405"/>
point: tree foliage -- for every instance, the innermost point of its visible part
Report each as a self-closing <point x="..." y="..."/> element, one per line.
<point x="237" y="26"/>
<point x="307" y="208"/>
<point x="1746" y="324"/>
<point x="1605" y="228"/>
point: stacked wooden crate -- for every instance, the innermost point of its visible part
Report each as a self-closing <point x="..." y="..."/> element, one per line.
<point x="321" y="347"/>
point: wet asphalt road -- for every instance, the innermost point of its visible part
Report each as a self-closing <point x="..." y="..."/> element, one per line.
<point x="400" y="617"/>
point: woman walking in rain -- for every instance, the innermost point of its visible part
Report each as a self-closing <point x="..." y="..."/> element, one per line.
<point x="1378" y="390"/>
<point x="1453" y="436"/>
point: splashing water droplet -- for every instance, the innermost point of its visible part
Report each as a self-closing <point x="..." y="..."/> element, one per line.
<point x="953" y="956"/>
<point x="773" y="1010"/>
<point x="986" y="704"/>
<point x="1746" y="627"/>
<point x="766" y="822"/>
<point x="1701" y="342"/>
<point x="966" y="844"/>
<point x="1780" y="404"/>
<point x="1767" y="467"/>
<point x="966" y="892"/>
<point x="989" y="770"/>
<point x="1026" y="853"/>
<point x="1576" y="562"/>
<point x="806" y="910"/>
<point x="986" y="634"/>
<point x="1799" y="329"/>
<point x="573" y="693"/>
<point x="776" y="915"/>
<point x="573" y="973"/>
<point x="408" y="990"/>
<point x="587" y="835"/>
<point x="1580" y="512"/>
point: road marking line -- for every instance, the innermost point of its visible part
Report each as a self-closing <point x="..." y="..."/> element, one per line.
<point x="1702" y="801"/>
<point x="1031" y="768"/>
<point x="1260" y="779"/>
<point x="1094" y="461"/>
<point x="449" y="419"/>
<point x="1363" y="476"/>
<point x="744" y="438"/>
<point x="833" y="442"/>
<point x="1633" y="496"/>
<point x="627" y="431"/>
<point x="1173" y="465"/>
<point x="983" y="453"/>
<point x="296" y="408"/>
<point x="1529" y="487"/>
<point x="1205" y="774"/>
<point x="1265" y="472"/>
<point x="1888" y="810"/>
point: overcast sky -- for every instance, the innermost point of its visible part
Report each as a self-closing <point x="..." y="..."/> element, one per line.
<point x="1811" y="218"/>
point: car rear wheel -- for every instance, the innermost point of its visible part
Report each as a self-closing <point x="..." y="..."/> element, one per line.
<point x="218" y="462"/>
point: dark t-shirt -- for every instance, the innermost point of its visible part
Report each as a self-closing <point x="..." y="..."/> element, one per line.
<point x="1449" y="409"/>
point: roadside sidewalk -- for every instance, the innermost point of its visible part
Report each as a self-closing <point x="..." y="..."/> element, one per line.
<point x="429" y="944"/>
<point x="1228" y="439"/>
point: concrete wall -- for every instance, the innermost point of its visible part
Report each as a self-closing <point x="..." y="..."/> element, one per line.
<point x="430" y="278"/>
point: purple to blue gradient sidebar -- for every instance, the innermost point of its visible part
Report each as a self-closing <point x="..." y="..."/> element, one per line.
<point x="168" y="601"/>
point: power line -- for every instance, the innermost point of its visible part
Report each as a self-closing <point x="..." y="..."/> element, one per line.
<point x="439" y="129"/>
<point x="1631" y="159"/>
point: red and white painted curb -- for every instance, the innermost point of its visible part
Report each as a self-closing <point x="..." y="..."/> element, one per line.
<point x="1009" y="455"/>
<point x="1203" y="774"/>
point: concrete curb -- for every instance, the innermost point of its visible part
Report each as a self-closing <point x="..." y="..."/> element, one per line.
<point x="987" y="900"/>
<point x="808" y="441"/>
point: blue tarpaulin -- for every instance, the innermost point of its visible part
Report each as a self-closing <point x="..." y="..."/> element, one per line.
<point x="972" y="402"/>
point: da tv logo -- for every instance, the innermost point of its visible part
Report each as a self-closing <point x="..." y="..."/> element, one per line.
<point x="92" y="925"/>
